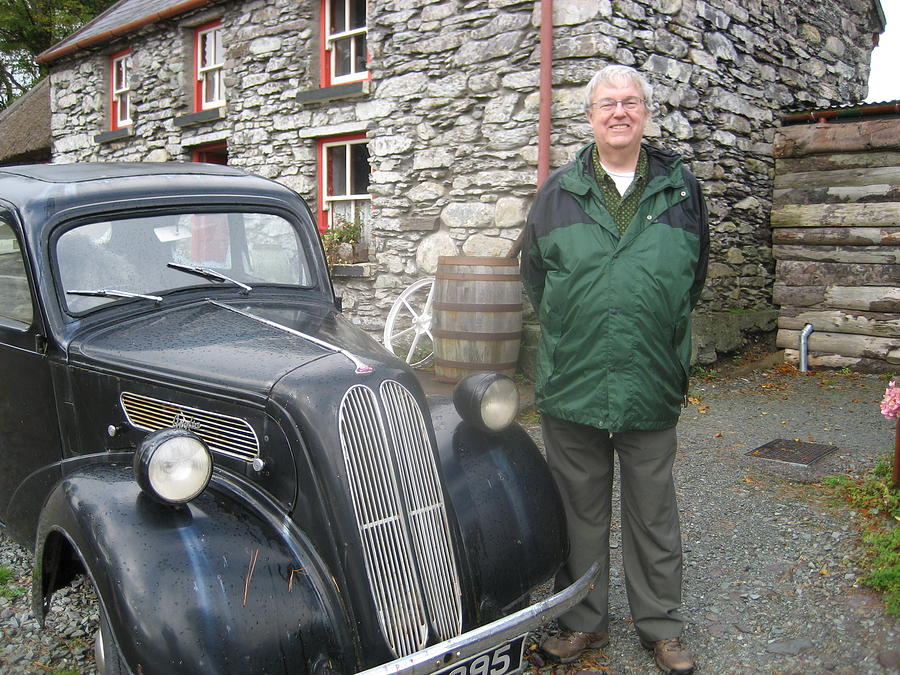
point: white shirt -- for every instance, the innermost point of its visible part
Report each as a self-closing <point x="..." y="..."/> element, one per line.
<point x="622" y="180"/>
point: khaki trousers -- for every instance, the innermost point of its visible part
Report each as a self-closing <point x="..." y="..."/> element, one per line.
<point x="581" y="459"/>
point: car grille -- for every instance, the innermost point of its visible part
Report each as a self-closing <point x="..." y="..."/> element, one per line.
<point x="227" y="435"/>
<point x="401" y="516"/>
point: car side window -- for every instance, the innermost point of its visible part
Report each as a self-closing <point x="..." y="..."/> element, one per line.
<point x="15" y="297"/>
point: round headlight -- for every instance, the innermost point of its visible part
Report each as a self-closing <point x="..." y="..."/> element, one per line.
<point x="487" y="400"/>
<point x="172" y="466"/>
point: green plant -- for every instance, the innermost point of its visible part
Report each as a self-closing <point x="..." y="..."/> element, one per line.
<point x="342" y="232"/>
<point x="879" y="507"/>
<point x="6" y="590"/>
<point x="703" y="372"/>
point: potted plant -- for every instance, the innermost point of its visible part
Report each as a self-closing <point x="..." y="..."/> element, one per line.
<point x="343" y="242"/>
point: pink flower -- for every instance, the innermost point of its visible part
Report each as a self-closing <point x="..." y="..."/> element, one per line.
<point x="890" y="405"/>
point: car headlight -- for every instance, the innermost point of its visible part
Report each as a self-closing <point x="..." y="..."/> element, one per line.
<point x="487" y="400"/>
<point x="172" y="466"/>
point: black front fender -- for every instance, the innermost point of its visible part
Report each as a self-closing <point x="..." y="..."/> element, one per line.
<point x="509" y="510"/>
<point x="225" y="584"/>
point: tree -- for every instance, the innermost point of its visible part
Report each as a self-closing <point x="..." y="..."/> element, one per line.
<point x="29" y="27"/>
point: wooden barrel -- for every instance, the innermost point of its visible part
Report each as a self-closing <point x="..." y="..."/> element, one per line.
<point x="476" y="316"/>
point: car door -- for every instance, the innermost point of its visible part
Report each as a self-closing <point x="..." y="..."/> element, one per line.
<point x="29" y="431"/>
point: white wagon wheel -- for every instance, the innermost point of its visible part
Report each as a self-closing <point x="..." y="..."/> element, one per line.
<point x="407" y="331"/>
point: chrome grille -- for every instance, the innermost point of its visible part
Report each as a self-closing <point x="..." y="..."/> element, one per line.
<point x="228" y="435"/>
<point x="403" y="525"/>
<point x="379" y="517"/>
<point x="427" y="514"/>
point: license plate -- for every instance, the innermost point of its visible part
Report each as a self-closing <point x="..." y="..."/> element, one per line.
<point x="499" y="660"/>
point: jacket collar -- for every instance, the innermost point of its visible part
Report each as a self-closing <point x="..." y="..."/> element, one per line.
<point x="664" y="171"/>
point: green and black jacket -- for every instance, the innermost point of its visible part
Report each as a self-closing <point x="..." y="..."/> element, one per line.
<point x="615" y="311"/>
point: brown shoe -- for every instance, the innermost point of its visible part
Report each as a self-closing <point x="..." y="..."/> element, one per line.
<point x="568" y="645"/>
<point x="672" y="656"/>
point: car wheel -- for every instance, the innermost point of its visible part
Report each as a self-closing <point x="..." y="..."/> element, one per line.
<point x="106" y="650"/>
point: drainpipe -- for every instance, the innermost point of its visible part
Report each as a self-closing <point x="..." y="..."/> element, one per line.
<point x="546" y="92"/>
<point x="804" y="347"/>
<point x="545" y="110"/>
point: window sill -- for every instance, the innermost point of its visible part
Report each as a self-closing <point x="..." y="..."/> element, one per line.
<point x="114" y="135"/>
<point x="338" y="91"/>
<point x="356" y="270"/>
<point x="201" y="117"/>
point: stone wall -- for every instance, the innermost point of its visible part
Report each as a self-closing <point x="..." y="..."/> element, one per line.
<point x="451" y="112"/>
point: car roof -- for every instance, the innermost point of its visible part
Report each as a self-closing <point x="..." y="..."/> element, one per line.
<point x="79" y="172"/>
<point x="43" y="192"/>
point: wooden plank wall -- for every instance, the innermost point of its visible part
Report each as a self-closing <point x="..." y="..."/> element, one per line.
<point x="836" y="242"/>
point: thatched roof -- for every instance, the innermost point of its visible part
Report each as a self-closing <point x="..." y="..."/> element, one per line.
<point x="25" y="127"/>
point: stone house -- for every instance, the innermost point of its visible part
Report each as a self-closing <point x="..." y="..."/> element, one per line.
<point x="420" y="118"/>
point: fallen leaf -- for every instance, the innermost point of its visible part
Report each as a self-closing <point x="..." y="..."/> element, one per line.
<point x="717" y="435"/>
<point x="693" y="400"/>
<point x="703" y="409"/>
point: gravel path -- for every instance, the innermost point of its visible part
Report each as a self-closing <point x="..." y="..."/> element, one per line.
<point x="770" y="566"/>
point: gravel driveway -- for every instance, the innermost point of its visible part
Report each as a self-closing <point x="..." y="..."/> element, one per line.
<point x="770" y="566"/>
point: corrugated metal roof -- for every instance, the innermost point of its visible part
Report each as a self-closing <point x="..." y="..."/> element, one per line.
<point x="847" y="112"/>
<point x="122" y="18"/>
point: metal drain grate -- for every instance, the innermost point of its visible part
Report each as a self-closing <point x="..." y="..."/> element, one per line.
<point x="792" y="452"/>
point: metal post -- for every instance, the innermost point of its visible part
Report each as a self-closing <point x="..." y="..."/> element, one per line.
<point x="896" y="475"/>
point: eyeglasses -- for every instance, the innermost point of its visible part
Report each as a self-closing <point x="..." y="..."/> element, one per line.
<point x="629" y="104"/>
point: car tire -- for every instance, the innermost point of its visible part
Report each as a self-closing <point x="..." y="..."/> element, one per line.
<point x="107" y="655"/>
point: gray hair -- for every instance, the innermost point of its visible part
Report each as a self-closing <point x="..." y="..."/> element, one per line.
<point x="614" y="74"/>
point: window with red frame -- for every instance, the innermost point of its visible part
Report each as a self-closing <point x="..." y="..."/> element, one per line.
<point x="344" y="30"/>
<point x="214" y="153"/>
<point x="209" y="59"/>
<point x="120" y="89"/>
<point x="344" y="182"/>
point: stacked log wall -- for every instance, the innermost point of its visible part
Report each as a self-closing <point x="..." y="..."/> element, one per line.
<point x="836" y="242"/>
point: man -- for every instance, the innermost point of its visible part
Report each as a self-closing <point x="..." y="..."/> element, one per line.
<point x="614" y="258"/>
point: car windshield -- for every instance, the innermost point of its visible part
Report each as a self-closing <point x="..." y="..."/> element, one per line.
<point x="146" y="257"/>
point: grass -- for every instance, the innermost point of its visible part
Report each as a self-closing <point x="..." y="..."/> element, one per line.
<point x="878" y="505"/>
<point x="7" y="589"/>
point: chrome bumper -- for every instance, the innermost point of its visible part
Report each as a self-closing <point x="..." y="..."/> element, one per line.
<point x="478" y="640"/>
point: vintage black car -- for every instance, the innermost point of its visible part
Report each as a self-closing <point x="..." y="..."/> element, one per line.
<point x="251" y="483"/>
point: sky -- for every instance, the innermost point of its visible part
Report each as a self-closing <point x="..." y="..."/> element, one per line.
<point x="884" y="78"/>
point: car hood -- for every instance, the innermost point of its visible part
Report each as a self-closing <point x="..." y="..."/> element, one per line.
<point x="234" y="346"/>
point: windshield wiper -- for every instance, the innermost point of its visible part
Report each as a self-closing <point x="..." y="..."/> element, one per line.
<point x="210" y="274"/>
<point x="110" y="293"/>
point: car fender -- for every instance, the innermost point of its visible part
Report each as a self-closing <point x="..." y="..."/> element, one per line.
<point x="224" y="584"/>
<point x="509" y="510"/>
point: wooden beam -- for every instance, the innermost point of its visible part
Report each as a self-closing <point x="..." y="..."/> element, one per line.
<point x="864" y="298"/>
<point x="852" y="194"/>
<point x="837" y="215"/>
<point x="843" y="344"/>
<point x="810" y="139"/>
<point x="807" y="273"/>
<point x="867" y="255"/>
<point x="833" y="236"/>
<point x="856" y="177"/>
<point x="842" y="160"/>
<point x="876" y="324"/>
<point x="835" y="361"/>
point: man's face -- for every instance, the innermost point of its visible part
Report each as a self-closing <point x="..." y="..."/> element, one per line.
<point x="618" y="129"/>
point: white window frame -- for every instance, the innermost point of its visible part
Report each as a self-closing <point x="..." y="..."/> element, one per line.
<point x="346" y="34"/>
<point x="209" y="43"/>
<point x="121" y="91"/>
<point x="359" y="203"/>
